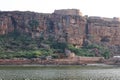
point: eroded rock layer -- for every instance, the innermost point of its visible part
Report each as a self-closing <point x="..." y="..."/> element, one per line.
<point x="63" y="26"/>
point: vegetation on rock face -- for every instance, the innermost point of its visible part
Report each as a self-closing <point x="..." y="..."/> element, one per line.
<point x="49" y="30"/>
<point x="16" y="45"/>
<point x="33" y="23"/>
<point x="80" y="51"/>
<point x="99" y="50"/>
<point x="91" y="50"/>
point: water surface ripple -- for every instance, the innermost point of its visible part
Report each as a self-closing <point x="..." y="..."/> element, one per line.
<point x="59" y="73"/>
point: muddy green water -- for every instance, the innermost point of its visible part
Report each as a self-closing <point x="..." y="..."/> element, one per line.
<point x="59" y="73"/>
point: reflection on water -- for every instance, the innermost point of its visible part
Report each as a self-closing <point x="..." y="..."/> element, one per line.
<point x="59" y="73"/>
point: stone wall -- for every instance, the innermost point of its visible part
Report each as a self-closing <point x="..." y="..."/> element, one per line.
<point x="73" y="61"/>
<point x="68" y="12"/>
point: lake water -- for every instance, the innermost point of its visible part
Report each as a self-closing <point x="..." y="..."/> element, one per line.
<point x="59" y="73"/>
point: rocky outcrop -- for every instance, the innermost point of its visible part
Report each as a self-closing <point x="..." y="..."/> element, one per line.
<point x="69" y="28"/>
<point x="63" y="26"/>
<point x="6" y="25"/>
<point x="104" y="30"/>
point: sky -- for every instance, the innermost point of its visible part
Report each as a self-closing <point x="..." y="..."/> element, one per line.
<point x="103" y="8"/>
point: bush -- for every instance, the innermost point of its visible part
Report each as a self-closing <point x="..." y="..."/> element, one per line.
<point x="99" y="50"/>
<point x="33" y="23"/>
<point x="91" y="50"/>
<point x="59" y="46"/>
<point x="79" y="51"/>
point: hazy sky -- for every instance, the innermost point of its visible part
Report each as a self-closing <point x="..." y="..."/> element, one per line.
<point x="104" y="8"/>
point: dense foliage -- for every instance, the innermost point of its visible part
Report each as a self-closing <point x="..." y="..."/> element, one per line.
<point x="15" y="45"/>
<point x="91" y="50"/>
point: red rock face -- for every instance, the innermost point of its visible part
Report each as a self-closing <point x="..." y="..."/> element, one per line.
<point x="5" y="24"/>
<point x="72" y="29"/>
<point x="63" y="28"/>
<point x="104" y="30"/>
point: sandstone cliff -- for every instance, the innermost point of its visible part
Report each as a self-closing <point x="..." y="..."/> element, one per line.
<point x="70" y="28"/>
<point x="104" y="30"/>
<point x="62" y="26"/>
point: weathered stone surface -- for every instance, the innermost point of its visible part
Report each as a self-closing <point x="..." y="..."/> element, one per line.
<point x="69" y="28"/>
<point x="68" y="12"/>
<point x="63" y="26"/>
<point x="104" y="30"/>
<point x="5" y="24"/>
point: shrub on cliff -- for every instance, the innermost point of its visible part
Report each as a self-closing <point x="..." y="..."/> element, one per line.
<point x="33" y="23"/>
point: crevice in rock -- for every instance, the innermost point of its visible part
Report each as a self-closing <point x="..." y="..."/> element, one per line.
<point x="14" y="23"/>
